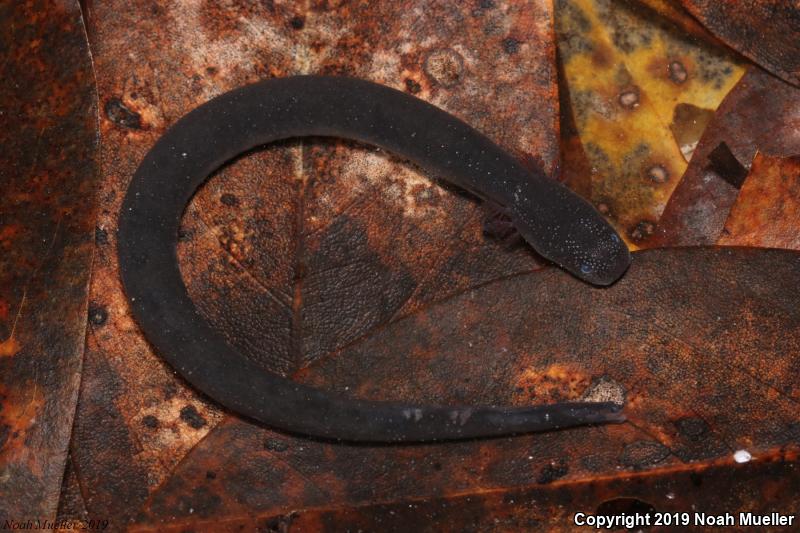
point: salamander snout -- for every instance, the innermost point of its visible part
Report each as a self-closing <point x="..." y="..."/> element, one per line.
<point x="603" y="261"/>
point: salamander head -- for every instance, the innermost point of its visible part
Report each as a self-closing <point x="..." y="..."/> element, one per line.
<point x="602" y="257"/>
<point x="573" y="234"/>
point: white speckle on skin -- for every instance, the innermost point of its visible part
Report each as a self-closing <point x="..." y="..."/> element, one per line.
<point x="742" y="456"/>
<point x="416" y="414"/>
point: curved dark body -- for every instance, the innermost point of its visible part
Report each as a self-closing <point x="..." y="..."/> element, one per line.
<point x="558" y="224"/>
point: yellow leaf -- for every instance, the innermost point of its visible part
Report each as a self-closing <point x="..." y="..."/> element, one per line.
<point x="628" y="72"/>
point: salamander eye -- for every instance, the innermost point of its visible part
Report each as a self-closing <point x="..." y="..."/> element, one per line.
<point x="585" y="268"/>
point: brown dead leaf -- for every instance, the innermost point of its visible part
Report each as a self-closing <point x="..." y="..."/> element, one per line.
<point x="523" y="509"/>
<point x="676" y="14"/>
<point x="767" y="210"/>
<point x="48" y="131"/>
<point x="766" y="31"/>
<point x="702" y="344"/>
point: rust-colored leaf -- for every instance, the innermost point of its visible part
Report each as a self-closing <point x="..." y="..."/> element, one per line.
<point x="762" y="113"/>
<point x="766" y="31"/>
<point x="767" y="211"/>
<point x="48" y="133"/>
<point x="550" y="507"/>
<point x="300" y="249"/>
<point x="701" y="344"/>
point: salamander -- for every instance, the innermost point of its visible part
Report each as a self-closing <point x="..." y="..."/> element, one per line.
<point x="558" y="224"/>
